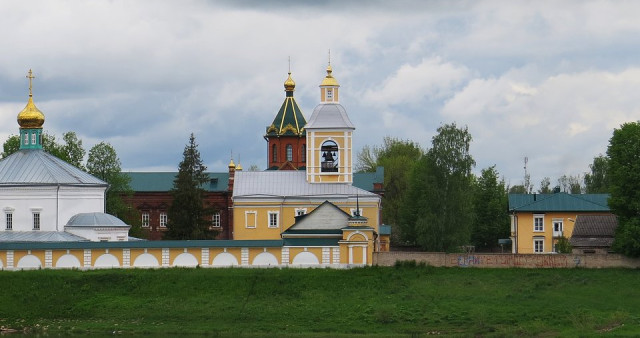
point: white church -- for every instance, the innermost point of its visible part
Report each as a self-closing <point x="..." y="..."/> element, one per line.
<point x="44" y="199"/>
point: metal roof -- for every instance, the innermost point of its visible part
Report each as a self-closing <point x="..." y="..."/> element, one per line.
<point x="95" y="219"/>
<point x="289" y="120"/>
<point x="289" y="184"/>
<point x="163" y="181"/>
<point x="37" y="167"/>
<point x="558" y="202"/>
<point x="329" y="116"/>
<point x="39" y="236"/>
<point x="595" y="226"/>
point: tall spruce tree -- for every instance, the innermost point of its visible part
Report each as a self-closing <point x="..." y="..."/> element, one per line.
<point x="188" y="217"/>
<point x="491" y="220"/>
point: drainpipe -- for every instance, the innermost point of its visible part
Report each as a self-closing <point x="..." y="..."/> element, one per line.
<point x="57" y="207"/>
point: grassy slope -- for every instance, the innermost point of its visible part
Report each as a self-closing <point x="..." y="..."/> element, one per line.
<point x="385" y="301"/>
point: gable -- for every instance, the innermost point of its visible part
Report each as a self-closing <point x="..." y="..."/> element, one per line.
<point x="327" y="216"/>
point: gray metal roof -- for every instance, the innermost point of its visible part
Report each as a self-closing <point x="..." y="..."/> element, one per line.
<point x="95" y="219"/>
<point x="289" y="183"/>
<point x="39" y="236"/>
<point x="37" y="167"/>
<point x="329" y="116"/>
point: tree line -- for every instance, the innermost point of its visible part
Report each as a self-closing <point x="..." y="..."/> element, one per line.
<point x="432" y="198"/>
<point x="434" y="201"/>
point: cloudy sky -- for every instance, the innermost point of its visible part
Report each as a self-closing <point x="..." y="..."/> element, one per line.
<point x="548" y="80"/>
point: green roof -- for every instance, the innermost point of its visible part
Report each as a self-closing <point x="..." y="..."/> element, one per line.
<point x="163" y="181"/>
<point x="289" y="120"/>
<point x="311" y="241"/>
<point x="385" y="229"/>
<point x="558" y="202"/>
<point x="365" y="181"/>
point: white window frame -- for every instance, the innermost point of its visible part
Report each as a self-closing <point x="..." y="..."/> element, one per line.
<point x="558" y="221"/>
<point x="535" y="248"/>
<point x="163" y="219"/>
<point x="36" y="220"/>
<point x="215" y="219"/>
<point x="33" y="138"/>
<point x="26" y="138"/>
<point x="145" y="219"/>
<point x="273" y="219"/>
<point x="248" y="214"/>
<point x="535" y="226"/>
<point x="301" y="211"/>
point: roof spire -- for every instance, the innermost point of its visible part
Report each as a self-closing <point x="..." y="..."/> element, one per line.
<point x="289" y="84"/>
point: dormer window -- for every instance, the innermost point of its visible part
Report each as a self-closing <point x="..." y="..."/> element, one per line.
<point x="329" y="155"/>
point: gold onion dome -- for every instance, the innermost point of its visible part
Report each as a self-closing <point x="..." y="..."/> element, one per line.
<point x="231" y="164"/>
<point x="289" y="84"/>
<point x="31" y="116"/>
<point x="329" y="80"/>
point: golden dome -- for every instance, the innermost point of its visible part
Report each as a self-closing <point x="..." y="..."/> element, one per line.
<point x="329" y="80"/>
<point x="30" y="116"/>
<point x="231" y="164"/>
<point x="239" y="167"/>
<point x="289" y="84"/>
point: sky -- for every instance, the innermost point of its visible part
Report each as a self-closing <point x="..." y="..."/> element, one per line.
<point x="545" y="80"/>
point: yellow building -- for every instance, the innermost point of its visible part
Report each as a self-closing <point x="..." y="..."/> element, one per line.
<point x="538" y="221"/>
<point x="270" y="205"/>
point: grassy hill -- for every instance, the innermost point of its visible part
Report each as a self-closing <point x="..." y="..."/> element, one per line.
<point x="407" y="300"/>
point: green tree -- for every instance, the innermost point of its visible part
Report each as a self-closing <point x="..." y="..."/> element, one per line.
<point x="188" y="217"/>
<point x="491" y="220"/>
<point x="518" y="189"/>
<point x="624" y="186"/>
<point x="570" y="184"/>
<point x="545" y="186"/>
<point x="11" y="145"/>
<point x="597" y="181"/>
<point x="438" y="213"/>
<point x="397" y="157"/>
<point x="103" y="163"/>
<point x="72" y="150"/>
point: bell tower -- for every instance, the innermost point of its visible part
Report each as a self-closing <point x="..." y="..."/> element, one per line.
<point x="329" y="137"/>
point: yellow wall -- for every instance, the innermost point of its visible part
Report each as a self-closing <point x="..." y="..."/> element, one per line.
<point x="286" y="212"/>
<point x="525" y="229"/>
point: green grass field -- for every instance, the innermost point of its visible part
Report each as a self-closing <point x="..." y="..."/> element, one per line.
<point x="409" y="300"/>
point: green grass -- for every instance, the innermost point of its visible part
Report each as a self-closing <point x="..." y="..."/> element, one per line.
<point x="412" y="301"/>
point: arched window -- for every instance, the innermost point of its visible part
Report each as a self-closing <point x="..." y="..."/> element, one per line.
<point x="274" y="153"/>
<point x="303" y="153"/>
<point x="289" y="152"/>
<point x="329" y="155"/>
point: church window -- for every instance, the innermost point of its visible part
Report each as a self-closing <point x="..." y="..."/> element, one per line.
<point x="36" y="221"/>
<point x="274" y="153"/>
<point x="303" y="153"/>
<point x="9" y="219"/>
<point x="145" y="219"/>
<point x="273" y="219"/>
<point x="289" y="152"/>
<point x="26" y="138"/>
<point x="215" y="219"/>
<point x="33" y="138"/>
<point x="163" y="219"/>
<point x="301" y="211"/>
<point x="329" y="155"/>
<point x="329" y="94"/>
